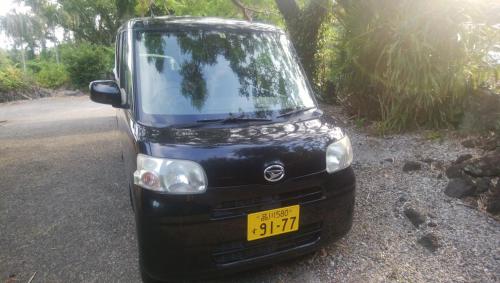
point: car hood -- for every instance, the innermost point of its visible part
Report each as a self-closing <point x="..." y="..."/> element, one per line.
<point x="239" y="155"/>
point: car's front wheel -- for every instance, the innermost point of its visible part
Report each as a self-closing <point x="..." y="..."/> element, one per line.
<point x="130" y="196"/>
<point x="145" y="276"/>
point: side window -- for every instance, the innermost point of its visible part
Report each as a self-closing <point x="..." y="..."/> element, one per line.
<point x="125" y="73"/>
<point x="117" y="56"/>
<point x="123" y="60"/>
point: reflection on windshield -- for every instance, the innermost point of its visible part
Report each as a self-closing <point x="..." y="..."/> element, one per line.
<point x="224" y="73"/>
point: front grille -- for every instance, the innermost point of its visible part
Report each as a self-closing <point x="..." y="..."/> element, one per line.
<point x="238" y="251"/>
<point x="236" y="208"/>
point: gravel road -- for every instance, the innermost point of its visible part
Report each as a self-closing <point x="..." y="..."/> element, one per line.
<point x="65" y="215"/>
<point x="64" y="212"/>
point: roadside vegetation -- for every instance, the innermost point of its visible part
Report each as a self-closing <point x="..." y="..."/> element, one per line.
<point x="412" y="63"/>
<point x="393" y="64"/>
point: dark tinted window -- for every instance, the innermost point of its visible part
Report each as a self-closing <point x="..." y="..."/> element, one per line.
<point x="218" y="73"/>
<point x="125" y="73"/>
<point x="123" y="59"/>
<point x="117" y="56"/>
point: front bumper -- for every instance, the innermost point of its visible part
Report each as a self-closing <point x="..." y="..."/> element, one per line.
<point x="199" y="236"/>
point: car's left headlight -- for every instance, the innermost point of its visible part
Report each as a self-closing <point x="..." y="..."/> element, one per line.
<point x="339" y="155"/>
<point x="171" y="176"/>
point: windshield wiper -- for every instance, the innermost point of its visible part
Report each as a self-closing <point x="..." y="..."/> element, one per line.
<point x="295" y="111"/>
<point x="233" y="120"/>
<point x="204" y="122"/>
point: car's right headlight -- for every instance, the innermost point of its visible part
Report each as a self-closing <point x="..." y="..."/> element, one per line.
<point x="172" y="176"/>
<point x="339" y="155"/>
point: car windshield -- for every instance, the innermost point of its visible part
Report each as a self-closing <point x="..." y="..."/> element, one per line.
<point x="198" y="74"/>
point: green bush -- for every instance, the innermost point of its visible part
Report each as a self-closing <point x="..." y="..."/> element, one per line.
<point x="52" y="75"/>
<point x="49" y="74"/>
<point x="12" y="79"/>
<point x="86" y="62"/>
<point x="408" y="63"/>
<point x="323" y="81"/>
<point x="4" y="59"/>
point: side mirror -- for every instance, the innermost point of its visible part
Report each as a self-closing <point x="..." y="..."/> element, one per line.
<point x="106" y="92"/>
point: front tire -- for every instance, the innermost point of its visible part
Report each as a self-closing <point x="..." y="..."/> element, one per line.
<point x="130" y="196"/>
<point x="145" y="276"/>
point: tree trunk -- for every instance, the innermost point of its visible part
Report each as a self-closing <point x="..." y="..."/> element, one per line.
<point x="243" y="10"/>
<point x="23" y="58"/>
<point x="289" y="10"/>
<point x="56" y="50"/>
<point x="56" y="45"/>
<point x="304" y="26"/>
<point x="43" y="46"/>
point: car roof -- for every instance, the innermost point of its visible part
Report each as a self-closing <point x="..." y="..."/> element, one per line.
<point x="196" y="22"/>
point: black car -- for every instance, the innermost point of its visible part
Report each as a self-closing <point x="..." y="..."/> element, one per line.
<point x="230" y="163"/>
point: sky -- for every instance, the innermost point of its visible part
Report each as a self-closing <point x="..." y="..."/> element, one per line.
<point x="7" y="6"/>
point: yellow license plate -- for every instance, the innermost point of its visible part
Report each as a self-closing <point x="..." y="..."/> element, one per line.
<point x="273" y="222"/>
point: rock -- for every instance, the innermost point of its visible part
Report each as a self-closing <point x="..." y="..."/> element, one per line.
<point x="462" y="158"/>
<point x="403" y="198"/>
<point x="430" y="241"/>
<point x="72" y="93"/>
<point x="459" y="188"/>
<point x="415" y="216"/>
<point x="491" y="144"/>
<point x="493" y="199"/>
<point x="455" y="171"/>
<point x="411" y="166"/>
<point x="390" y="160"/>
<point x="483" y="185"/>
<point x="486" y="166"/>
<point x="482" y="112"/>
<point x="470" y="143"/>
<point x="41" y="92"/>
<point x="432" y="224"/>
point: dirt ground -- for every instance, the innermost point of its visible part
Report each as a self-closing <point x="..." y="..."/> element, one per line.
<point x="65" y="213"/>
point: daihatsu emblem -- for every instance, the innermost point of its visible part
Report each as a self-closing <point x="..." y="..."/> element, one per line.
<point x="274" y="173"/>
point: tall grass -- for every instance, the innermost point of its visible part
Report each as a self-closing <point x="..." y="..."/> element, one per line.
<point x="410" y="63"/>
